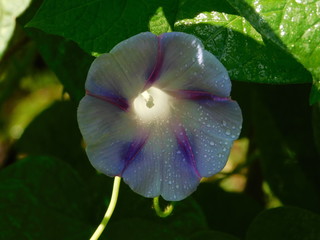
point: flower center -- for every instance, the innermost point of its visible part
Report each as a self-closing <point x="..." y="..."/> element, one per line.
<point x="152" y="104"/>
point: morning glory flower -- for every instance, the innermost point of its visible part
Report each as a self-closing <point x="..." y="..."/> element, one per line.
<point x="158" y="113"/>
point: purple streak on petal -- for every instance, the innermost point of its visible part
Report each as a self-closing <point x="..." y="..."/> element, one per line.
<point x="157" y="67"/>
<point x="197" y="95"/>
<point x="185" y="147"/>
<point x="118" y="101"/>
<point x="133" y="150"/>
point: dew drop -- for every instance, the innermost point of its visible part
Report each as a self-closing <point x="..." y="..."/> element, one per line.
<point x="212" y="143"/>
<point x="228" y="132"/>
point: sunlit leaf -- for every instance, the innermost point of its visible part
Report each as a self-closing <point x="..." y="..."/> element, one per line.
<point x="101" y="25"/>
<point x="291" y="24"/>
<point x="229" y="36"/>
<point x="158" y="23"/>
<point x="239" y="46"/>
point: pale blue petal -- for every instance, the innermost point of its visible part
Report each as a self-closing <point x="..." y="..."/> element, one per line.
<point x="186" y="65"/>
<point x="125" y="70"/>
<point x="161" y="168"/>
<point x="107" y="131"/>
<point x="213" y="126"/>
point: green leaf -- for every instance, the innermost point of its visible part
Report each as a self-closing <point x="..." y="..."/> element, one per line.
<point x="290" y="168"/>
<point x="244" y="52"/>
<point x="315" y="93"/>
<point x="42" y="198"/>
<point x="316" y="125"/>
<point x="140" y="218"/>
<point x="291" y="24"/>
<point x="9" y="10"/>
<point x="55" y="133"/>
<point x="230" y="37"/>
<point x="137" y="229"/>
<point x="141" y="221"/>
<point x="69" y="62"/>
<point x="158" y="23"/>
<point x="66" y="59"/>
<point x="186" y="219"/>
<point x="218" y="207"/>
<point x="17" y="63"/>
<point x="187" y="216"/>
<point x="97" y="26"/>
<point x="285" y="223"/>
<point x="212" y="235"/>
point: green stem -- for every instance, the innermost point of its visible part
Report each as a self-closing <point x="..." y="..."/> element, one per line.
<point x="162" y="213"/>
<point x="111" y="207"/>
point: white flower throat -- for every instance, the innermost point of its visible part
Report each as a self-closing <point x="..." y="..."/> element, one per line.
<point x="152" y="104"/>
